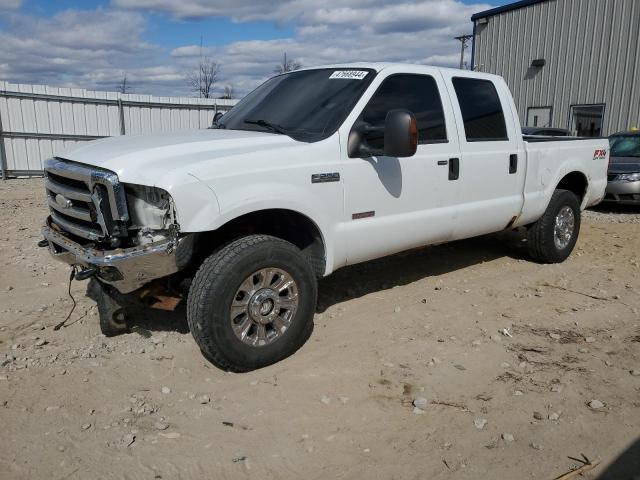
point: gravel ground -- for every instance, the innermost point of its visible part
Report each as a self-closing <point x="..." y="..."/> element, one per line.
<point x="460" y="361"/>
<point x="612" y="213"/>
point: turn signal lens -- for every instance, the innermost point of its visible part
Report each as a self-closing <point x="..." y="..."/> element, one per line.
<point x="413" y="134"/>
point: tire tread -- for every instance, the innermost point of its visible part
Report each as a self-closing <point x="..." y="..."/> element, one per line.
<point x="200" y="302"/>
<point x="540" y="235"/>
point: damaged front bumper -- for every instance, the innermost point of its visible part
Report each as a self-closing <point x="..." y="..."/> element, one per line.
<point x="127" y="269"/>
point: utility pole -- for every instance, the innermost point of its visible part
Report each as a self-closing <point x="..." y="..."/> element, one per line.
<point x="464" y="40"/>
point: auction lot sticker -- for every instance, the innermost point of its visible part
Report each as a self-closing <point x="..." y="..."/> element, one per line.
<point x="349" y="74"/>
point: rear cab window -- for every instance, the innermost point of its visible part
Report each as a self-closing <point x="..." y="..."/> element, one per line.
<point x="481" y="108"/>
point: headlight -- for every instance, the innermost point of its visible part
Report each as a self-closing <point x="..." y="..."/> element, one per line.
<point x="628" y="177"/>
<point x="149" y="207"/>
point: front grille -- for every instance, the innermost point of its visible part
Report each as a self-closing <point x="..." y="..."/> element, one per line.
<point x="85" y="201"/>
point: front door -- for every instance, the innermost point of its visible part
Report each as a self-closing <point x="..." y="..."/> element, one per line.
<point x="393" y="204"/>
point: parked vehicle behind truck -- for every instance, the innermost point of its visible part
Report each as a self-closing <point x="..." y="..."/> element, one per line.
<point x="546" y="131"/>
<point x="624" y="168"/>
<point x="314" y="170"/>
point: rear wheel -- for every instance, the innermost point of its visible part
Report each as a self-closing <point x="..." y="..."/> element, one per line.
<point x="552" y="238"/>
<point x="252" y="302"/>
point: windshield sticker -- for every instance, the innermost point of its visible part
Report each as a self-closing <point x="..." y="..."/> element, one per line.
<point x="349" y="74"/>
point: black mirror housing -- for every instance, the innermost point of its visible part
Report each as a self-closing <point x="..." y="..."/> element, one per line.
<point x="400" y="134"/>
<point x="216" y="117"/>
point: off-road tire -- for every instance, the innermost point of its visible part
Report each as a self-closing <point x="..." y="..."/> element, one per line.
<point x="213" y="290"/>
<point x="112" y="309"/>
<point x="540" y="235"/>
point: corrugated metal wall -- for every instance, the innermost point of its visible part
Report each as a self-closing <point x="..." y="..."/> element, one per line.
<point x="592" y="53"/>
<point x="37" y="121"/>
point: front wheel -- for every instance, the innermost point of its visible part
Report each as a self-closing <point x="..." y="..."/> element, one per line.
<point x="552" y="238"/>
<point x="252" y="302"/>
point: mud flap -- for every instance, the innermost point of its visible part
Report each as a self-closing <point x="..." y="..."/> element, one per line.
<point x="112" y="308"/>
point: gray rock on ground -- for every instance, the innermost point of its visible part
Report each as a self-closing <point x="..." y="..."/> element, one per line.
<point x="420" y="402"/>
<point x="507" y="437"/>
<point x="480" y="423"/>
<point x="595" y="404"/>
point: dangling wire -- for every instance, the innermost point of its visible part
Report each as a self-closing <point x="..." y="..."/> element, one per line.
<point x="72" y="275"/>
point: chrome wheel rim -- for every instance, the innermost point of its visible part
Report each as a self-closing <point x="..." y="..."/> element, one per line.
<point x="564" y="227"/>
<point x="264" y="307"/>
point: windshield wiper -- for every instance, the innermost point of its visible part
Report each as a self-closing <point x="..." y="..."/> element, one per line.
<point x="271" y="126"/>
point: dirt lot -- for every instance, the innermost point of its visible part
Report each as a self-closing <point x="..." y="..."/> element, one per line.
<point x="507" y="353"/>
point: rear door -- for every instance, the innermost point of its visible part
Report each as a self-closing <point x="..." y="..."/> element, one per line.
<point x="492" y="162"/>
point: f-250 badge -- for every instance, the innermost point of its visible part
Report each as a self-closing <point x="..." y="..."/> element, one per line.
<point x="325" y="177"/>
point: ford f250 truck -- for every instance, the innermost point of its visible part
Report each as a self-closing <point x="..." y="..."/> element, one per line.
<point x="314" y="170"/>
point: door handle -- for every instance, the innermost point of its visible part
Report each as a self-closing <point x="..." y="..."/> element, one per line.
<point x="454" y="168"/>
<point x="443" y="162"/>
<point x="513" y="163"/>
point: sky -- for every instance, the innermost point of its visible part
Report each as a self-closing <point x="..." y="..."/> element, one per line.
<point x="156" y="43"/>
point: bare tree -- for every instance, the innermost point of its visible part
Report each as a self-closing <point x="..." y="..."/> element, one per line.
<point x="203" y="79"/>
<point x="228" y="92"/>
<point x="287" y="65"/>
<point x="123" y="86"/>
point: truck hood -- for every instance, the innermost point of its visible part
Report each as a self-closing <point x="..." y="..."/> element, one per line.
<point x="143" y="159"/>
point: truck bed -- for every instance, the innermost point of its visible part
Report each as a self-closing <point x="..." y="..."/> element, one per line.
<point x="549" y="159"/>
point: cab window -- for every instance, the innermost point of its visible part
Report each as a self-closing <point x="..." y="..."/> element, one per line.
<point x="481" y="110"/>
<point x="417" y="93"/>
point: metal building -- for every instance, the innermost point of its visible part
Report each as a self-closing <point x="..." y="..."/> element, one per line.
<point x="571" y="64"/>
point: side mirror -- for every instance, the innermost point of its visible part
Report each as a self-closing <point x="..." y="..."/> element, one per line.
<point x="216" y="117"/>
<point x="400" y="133"/>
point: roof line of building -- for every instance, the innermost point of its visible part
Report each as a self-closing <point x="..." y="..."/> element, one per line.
<point x="504" y="8"/>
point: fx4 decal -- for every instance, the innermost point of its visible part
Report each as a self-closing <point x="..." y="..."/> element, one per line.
<point x="599" y="154"/>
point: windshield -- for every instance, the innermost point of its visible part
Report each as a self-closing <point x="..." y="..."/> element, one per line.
<point x="307" y="105"/>
<point x="625" y="146"/>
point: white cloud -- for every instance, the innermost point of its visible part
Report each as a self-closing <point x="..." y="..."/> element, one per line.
<point x="333" y="32"/>
<point x="92" y="48"/>
<point x="240" y="10"/>
<point x="88" y="49"/>
<point x="380" y="15"/>
<point x="187" y="51"/>
<point x="10" y="4"/>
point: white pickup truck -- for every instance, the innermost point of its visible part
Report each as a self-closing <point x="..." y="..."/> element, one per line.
<point x="314" y="170"/>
